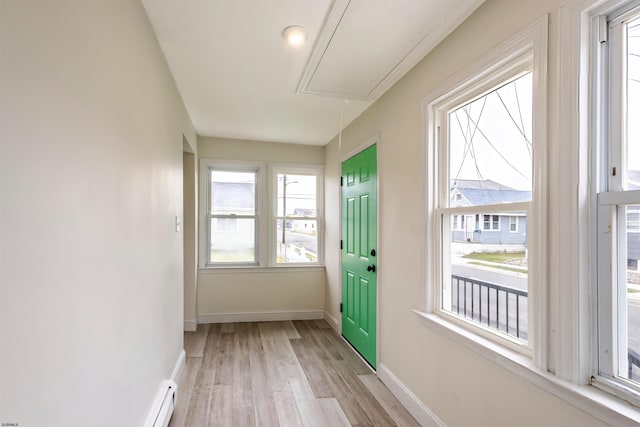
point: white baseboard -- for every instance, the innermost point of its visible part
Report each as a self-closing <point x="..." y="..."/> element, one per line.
<point x="333" y="322"/>
<point x="163" y="404"/>
<point x="268" y="316"/>
<point x="419" y="410"/>
<point x="179" y="367"/>
<point x="190" y="325"/>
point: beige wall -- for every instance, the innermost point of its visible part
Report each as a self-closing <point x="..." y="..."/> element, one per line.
<point x="189" y="230"/>
<point x="459" y="386"/>
<point x="236" y="149"/>
<point x="264" y="290"/>
<point x="261" y="291"/>
<point x="91" y="134"/>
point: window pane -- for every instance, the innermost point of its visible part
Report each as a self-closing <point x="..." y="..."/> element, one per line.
<point x="490" y="150"/>
<point x="486" y="275"/>
<point x="297" y="241"/>
<point x="633" y="106"/>
<point x="631" y="291"/>
<point x="232" y="240"/>
<point x="233" y="193"/>
<point x="296" y="195"/>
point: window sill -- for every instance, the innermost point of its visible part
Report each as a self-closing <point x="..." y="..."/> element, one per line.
<point x="257" y="269"/>
<point x="606" y="408"/>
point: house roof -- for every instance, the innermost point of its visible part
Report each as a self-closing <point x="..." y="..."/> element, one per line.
<point x="304" y="212"/>
<point x="487" y="192"/>
<point x="485" y="184"/>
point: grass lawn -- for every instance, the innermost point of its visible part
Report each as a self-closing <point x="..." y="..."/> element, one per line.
<point x="498" y="257"/>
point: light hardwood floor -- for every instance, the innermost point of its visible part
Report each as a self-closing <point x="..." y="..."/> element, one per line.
<point x="298" y="373"/>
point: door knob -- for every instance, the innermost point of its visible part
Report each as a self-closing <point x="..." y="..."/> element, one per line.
<point x="371" y="268"/>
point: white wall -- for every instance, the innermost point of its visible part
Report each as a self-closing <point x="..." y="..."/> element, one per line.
<point x="459" y="386"/>
<point x="91" y="134"/>
<point x="247" y="292"/>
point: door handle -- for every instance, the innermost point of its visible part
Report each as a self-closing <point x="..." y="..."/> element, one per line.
<point x="371" y="268"/>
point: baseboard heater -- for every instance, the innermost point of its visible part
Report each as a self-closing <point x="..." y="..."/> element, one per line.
<point x="163" y="405"/>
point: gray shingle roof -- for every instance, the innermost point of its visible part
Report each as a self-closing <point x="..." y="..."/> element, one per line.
<point x="488" y="192"/>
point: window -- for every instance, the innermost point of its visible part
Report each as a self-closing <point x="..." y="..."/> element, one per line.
<point x="618" y="200"/>
<point x="513" y="224"/>
<point x="491" y="222"/>
<point x="232" y="215"/>
<point x="296" y="221"/>
<point x="249" y="220"/>
<point x="486" y="133"/>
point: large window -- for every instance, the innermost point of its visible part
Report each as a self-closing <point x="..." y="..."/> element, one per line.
<point x="485" y="209"/>
<point x="297" y="221"/>
<point x="250" y="220"/>
<point x="488" y="147"/>
<point x="618" y="199"/>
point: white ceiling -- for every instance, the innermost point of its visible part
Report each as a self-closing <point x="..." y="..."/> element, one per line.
<point x="239" y="79"/>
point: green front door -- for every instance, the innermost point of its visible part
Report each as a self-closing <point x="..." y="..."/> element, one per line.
<point x="359" y="245"/>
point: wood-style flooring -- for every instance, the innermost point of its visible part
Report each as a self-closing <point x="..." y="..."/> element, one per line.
<point x="298" y="373"/>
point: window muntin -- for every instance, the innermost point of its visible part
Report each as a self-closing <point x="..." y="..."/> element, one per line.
<point x="232" y="216"/>
<point x="491" y="222"/>
<point x="488" y="156"/>
<point x="296" y="222"/>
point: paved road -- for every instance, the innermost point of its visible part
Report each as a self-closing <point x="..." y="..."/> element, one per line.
<point x="501" y="277"/>
<point x="519" y="281"/>
<point x="305" y="240"/>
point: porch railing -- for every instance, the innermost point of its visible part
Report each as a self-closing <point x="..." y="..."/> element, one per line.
<point x="498" y="307"/>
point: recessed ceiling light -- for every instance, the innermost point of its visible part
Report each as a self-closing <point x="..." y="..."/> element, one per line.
<point x="295" y="35"/>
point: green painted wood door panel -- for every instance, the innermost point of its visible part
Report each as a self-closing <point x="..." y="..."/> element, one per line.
<point x="359" y="246"/>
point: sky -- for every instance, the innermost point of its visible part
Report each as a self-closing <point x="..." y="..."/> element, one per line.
<point x="490" y="138"/>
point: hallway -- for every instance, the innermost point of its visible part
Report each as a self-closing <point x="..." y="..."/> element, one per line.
<point x="279" y="374"/>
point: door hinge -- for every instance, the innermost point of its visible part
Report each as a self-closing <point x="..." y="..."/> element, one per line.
<point x="341" y="181"/>
<point x="340" y="244"/>
<point x="340" y="307"/>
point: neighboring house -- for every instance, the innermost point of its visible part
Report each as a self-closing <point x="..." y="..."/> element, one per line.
<point x="495" y="228"/>
<point x="303" y="225"/>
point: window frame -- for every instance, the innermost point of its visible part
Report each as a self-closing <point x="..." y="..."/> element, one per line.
<point x="266" y="194"/>
<point x="524" y="50"/>
<point x="607" y="150"/>
<point x="491" y="222"/>
<point x="318" y="172"/>
<point x="208" y="165"/>
<point x="517" y="220"/>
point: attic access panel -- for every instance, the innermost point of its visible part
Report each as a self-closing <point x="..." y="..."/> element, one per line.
<point x="366" y="46"/>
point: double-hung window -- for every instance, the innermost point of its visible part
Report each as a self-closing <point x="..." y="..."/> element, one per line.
<point x="297" y="220"/>
<point x="617" y="182"/>
<point x="249" y="220"/>
<point x="487" y="144"/>
<point x="232" y="214"/>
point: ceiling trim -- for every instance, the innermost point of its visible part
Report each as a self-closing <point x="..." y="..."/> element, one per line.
<point x="410" y="60"/>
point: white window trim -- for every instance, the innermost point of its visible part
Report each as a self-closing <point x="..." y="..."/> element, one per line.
<point x="296" y="169"/>
<point x="266" y="192"/>
<point x="491" y="222"/>
<point x="205" y="192"/>
<point x="606" y="194"/>
<point x="517" y="218"/>
<point x="476" y="79"/>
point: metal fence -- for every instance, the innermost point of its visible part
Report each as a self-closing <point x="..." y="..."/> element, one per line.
<point x="496" y="306"/>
